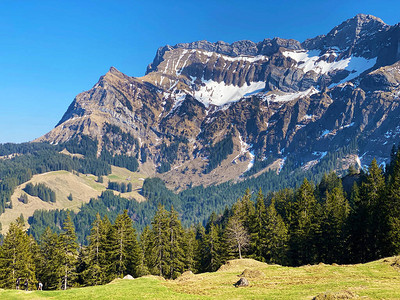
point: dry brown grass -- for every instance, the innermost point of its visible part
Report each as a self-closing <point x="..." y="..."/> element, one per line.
<point x="375" y="280"/>
<point x="249" y="273"/>
<point x="342" y="295"/>
<point x="83" y="187"/>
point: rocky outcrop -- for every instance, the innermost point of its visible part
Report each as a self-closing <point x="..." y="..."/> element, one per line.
<point x="277" y="98"/>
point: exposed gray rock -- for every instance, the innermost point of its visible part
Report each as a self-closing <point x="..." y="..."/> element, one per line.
<point x="242" y="282"/>
<point x="162" y="108"/>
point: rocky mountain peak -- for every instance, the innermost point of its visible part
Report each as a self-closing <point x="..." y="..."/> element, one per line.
<point x="256" y="102"/>
<point x="359" y="36"/>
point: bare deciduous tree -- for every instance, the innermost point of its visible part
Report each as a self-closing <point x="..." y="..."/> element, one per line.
<point x="237" y="234"/>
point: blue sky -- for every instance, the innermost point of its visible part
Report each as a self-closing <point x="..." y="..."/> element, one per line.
<point x="52" y="50"/>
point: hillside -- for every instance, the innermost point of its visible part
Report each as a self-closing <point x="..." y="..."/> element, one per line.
<point x="375" y="280"/>
<point x="82" y="187"/>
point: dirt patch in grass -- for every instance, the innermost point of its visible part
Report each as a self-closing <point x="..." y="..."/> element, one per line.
<point x="154" y="277"/>
<point x="235" y="264"/>
<point x="249" y="273"/>
<point x="188" y="275"/>
<point x="342" y="295"/>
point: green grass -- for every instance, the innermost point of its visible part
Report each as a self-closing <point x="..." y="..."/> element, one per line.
<point x="141" y="288"/>
<point x="375" y="280"/>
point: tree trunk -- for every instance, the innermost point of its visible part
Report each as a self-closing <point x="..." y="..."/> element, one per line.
<point x="65" y="277"/>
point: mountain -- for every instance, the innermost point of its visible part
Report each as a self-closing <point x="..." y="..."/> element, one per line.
<point x="207" y="112"/>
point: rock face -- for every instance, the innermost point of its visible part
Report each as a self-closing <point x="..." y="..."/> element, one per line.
<point x="253" y="102"/>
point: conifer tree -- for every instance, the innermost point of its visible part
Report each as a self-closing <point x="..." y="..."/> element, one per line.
<point x="276" y="237"/>
<point x="69" y="248"/>
<point x="305" y="226"/>
<point x="368" y="220"/>
<point x="146" y="246"/>
<point x="16" y="259"/>
<point x="242" y="223"/>
<point x="125" y="252"/>
<point x="190" y="247"/>
<point x="175" y="252"/>
<point x="157" y="262"/>
<point x="94" y="268"/>
<point x="258" y="232"/>
<point x="336" y="210"/>
<point x="49" y="260"/>
<point x="212" y="250"/>
<point x="392" y="210"/>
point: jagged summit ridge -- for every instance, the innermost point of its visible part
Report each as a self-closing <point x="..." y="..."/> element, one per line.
<point x="275" y="99"/>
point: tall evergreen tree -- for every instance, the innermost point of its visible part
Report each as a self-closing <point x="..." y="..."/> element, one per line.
<point x="125" y="252"/>
<point x="305" y="226"/>
<point x="258" y="231"/>
<point x="94" y="266"/>
<point x="335" y="214"/>
<point x="175" y="248"/>
<point x="367" y="220"/>
<point x="276" y="237"/>
<point x="212" y="250"/>
<point x="16" y="259"/>
<point x="49" y="260"/>
<point x="157" y="263"/>
<point x="392" y="211"/>
<point x="190" y="249"/>
<point x="69" y="248"/>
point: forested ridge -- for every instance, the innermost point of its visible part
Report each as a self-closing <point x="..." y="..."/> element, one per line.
<point x="194" y="204"/>
<point x="306" y="225"/>
<point x="22" y="161"/>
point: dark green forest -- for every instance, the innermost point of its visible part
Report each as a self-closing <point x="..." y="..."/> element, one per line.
<point x="194" y="205"/>
<point x="28" y="159"/>
<point x="292" y="226"/>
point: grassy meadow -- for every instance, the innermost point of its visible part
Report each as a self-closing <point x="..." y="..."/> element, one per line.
<point x="374" y="280"/>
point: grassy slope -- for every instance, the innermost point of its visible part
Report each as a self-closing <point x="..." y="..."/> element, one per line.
<point x="375" y="280"/>
<point x="82" y="188"/>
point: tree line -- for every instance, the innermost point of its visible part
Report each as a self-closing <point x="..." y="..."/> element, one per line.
<point x="307" y="225"/>
<point x="40" y="190"/>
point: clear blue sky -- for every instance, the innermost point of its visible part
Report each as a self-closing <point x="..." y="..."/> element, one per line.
<point x="52" y="50"/>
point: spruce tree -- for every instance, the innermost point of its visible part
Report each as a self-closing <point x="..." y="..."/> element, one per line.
<point x="69" y="248"/>
<point x="276" y="237"/>
<point x="392" y="210"/>
<point x="336" y="210"/>
<point x="16" y="258"/>
<point x="125" y="252"/>
<point x="305" y="226"/>
<point x="175" y="248"/>
<point x="190" y="247"/>
<point x="157" y="262"/>
<point x="49" y="260"/>
<point x="258" y="232"/>
<point x="94" y="268"/>
<point x="212" y="250"/>
<point x="105" y="263"/>
<point x="368" y="218"/>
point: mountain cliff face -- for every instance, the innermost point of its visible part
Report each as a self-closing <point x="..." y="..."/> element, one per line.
<point x="208" y="112"/>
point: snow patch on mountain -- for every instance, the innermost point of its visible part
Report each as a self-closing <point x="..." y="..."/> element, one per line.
<point x="219" y="93"/>
<point x="311" y="61"/>
<point x="250" y="59"/>
<point x="284" y="97"/>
